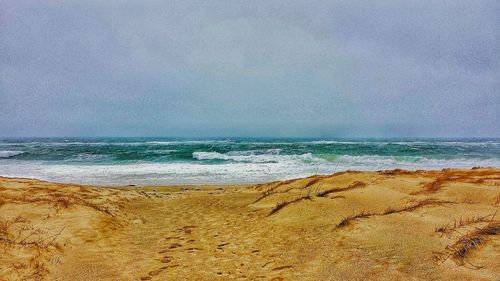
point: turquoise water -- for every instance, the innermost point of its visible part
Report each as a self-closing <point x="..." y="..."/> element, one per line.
<point x="118" y="161"/>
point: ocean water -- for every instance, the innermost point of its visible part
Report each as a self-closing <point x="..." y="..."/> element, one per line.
<point x="157" y="161"/>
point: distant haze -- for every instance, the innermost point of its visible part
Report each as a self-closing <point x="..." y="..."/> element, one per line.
<point x="250" y="68"/>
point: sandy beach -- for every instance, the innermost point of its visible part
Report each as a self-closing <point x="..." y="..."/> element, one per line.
<point x="388" y="225"/>
<point x="249" y="140"/>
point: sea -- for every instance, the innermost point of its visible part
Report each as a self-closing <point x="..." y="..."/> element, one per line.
<point x="164" y="161"/>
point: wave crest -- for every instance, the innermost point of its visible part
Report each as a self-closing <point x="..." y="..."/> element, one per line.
<point x="10" y="153"/>
<point x="270" y="156"/>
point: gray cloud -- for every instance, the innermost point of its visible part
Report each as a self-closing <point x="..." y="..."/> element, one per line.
<point x="250" y="68"/>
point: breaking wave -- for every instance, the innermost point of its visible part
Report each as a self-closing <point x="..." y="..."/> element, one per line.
<point x="107" y="161"/>
<point x="270" y="156"/>
<point x="9" y="153"/>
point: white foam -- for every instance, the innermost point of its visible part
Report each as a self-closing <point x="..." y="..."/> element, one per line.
<point x="88" y="157"/>
<point x="189" y="142"/>
<point x="333" y="142"/>
<point x="245" y="169"/>
<point x="9" y="153"/>
<point x="409" y="142"/>
<point x="251" y="157"/>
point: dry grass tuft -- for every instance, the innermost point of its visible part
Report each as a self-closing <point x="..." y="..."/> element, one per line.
<point x="461" y="222"/>
<point x="61" y="199"/>
<point x="19" y="232"/>
<point x="281" y="183"/>
<point x="354" y="185"/>
<point x="267" y="193"/>
<point x="476" y="176"/>
<point x="283" y="204"/>
<point x="433" y="186"/>
<point x="467" y="243"/>
<point x="390" y="210"/>
<point x="271" y="186"/>
<point x="313" y="181"/>
<point x="397" y="172"/>
<point x="263" y="195"/>
<point x="346" y="220"/>
<point x="415" y="205"/>
<point x="19" y="235"/>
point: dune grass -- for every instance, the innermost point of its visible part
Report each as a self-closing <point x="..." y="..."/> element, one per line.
<point x="285" y="203"/>
<point x="390" y="210"/>
<point x="354" y="185"/>
<point x="461" y="222"/>
<point x="268" y="193"/>
<point x="347" y="220"/>
<point x="469" y="242"/>
<point x="413" y="206"/>
<point x="20" y="232"/>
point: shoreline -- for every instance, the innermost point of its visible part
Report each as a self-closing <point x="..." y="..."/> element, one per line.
<point x="158" y="161"/>
<point x="397" y="224"/>
<point x="246" y="184"/>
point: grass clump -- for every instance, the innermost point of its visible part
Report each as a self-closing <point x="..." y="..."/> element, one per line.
<point x="285" y="203"/>
<point x="267" y="193"/>
<point x="468" y="243"/>
<point x="397" y="172"/>
<point x="346" y="220"/>
<point x="413" y="206"/>
<point x="391" y="210"/>
<point x="354" y="185"/>
<point x="461" y="222"/>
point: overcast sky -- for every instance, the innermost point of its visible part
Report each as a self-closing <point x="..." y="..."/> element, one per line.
<point x="250" y="68"/>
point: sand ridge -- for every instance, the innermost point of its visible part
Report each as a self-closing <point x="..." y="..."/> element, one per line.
<point x="387" y="225"/>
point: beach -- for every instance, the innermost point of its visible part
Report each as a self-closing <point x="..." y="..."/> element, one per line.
<point x="253" y="140"/>
<point x="350" y="225"/>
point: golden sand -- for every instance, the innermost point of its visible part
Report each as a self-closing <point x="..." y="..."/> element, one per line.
<point x="392" y="225"/>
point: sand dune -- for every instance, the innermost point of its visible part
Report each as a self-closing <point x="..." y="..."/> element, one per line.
<point x="389" y="225"/>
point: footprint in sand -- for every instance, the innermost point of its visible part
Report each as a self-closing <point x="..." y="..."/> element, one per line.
<point x="172" y="247"/>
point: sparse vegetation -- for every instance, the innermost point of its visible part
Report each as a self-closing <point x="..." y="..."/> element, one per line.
<point x="396" y="172"/>
<point x="354" y="185"/>
<point x="20" y="232"/>
<point x="19" y="235"/>
<point x="469" y="242"/>
<point x="461" y="222"/>
<point x="390" y="210"/>
<point x="478" y="176"/>
<point x="433" y="186"/>
<point x="312" y="181"/>
<point x="285" y="203"/>
<point x="346" y="220"/>
<point x="267" y="193"/>
<point x="415" y="205"/>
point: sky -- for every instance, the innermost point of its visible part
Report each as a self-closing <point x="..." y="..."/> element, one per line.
<point x="352" y="68"/>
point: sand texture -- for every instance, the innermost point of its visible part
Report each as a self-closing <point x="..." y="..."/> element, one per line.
<point x="389" y="225"/>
